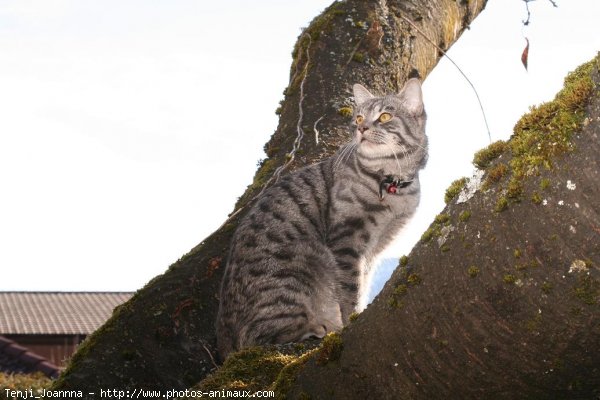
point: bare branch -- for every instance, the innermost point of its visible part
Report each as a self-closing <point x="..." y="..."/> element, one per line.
<point x="526" y="22"/>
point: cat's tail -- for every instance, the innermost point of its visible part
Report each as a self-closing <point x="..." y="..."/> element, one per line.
<point x="224" y="347"/>
<point x="225" y="338"/>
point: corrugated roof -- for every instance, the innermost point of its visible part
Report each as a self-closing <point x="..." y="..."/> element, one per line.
<point x="56" y="313"/>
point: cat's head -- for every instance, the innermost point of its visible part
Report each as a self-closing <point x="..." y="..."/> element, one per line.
<point x="390" y="124"/>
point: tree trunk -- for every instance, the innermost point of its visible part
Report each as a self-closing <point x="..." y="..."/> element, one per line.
<point x="501" y="298"/>
<point x="164" y="336"/>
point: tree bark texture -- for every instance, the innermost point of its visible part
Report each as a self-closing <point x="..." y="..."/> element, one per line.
<point x="164" y="336"/>
<point x="501" y="298"/>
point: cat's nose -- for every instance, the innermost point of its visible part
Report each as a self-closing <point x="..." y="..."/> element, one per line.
<point x="362" y="128"/>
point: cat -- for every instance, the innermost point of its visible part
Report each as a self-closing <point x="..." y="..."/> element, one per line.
<point x="299" y="262"/>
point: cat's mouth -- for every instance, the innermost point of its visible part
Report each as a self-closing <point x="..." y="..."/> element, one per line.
<point x="374" y="144"/>
<point x="371" y="137"/>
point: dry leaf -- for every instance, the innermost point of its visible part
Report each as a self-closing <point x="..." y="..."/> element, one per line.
<point x="525" y="55"/>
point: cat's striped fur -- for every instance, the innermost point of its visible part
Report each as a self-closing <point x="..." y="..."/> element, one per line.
<point x="299" y="261"/>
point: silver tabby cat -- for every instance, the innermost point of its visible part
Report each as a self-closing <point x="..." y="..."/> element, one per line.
<point x="299" y="263"/>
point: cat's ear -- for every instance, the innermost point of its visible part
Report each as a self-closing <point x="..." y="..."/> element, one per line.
<point x="361" y="93"/>
<point x="411" y="96"/>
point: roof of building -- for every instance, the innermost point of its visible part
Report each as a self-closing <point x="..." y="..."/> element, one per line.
<point x="56" y="313"/>
<point x="15" y="359"/>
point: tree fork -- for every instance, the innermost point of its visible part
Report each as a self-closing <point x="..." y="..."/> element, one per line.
<point x="164" y="336"/>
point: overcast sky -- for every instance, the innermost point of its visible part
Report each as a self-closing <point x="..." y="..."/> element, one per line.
<point x="117" y="149"/>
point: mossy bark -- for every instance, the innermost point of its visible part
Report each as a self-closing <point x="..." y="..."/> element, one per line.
<point x="502" y="304"/>
<point x="164" y="336"/>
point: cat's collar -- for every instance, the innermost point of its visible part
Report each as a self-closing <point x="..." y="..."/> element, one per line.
<point x="391" y="185"/>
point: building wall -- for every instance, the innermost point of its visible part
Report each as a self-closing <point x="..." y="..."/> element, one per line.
<point x="56" y="348"/>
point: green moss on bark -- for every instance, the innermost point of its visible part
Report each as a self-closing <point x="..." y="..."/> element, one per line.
<point x="254" y="369"/>
<point x="23" y="382"/>
<point x="454" y="189"/>
<point x="539" y="136"/>
<point x="484" y="157"/>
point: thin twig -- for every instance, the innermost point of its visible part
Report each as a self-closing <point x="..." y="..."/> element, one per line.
<point x="526" y="22"/>
<point x="457" y="67"/>
<point x="300" y="135"/>
<point x="352" y="53"/>
<point x="210" y="355"/>
<point x="315" y="129"/>
<point x="233" y="214"/>
<point x="299" y="130"/>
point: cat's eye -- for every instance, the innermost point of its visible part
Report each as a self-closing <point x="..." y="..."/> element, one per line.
<point x="385" y="117"/>
<point x="359" y="119"/>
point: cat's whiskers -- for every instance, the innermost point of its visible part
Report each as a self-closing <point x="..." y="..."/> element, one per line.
<point x="344" y="155"/>
<point x="421" y="147"/>
<point x="340" y="157"/>
<point x="395" y="156"/>
<point x="379" y="137"/>
<point x="407" y="155"/>
<point x="353" y="148"/>
<point x="341" y="154"/>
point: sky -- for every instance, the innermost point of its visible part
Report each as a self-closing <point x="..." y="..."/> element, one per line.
<point x="117" y="149"/>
